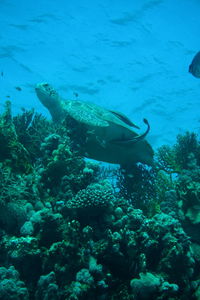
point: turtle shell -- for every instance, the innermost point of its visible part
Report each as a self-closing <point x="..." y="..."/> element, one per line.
<point x="94" y="115"/>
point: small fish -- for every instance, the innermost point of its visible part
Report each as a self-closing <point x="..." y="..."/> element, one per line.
<point x="75" y="94"/>
<point x="194" y="67"/>
<point x="18" y="88"/>
<point x="2" y="74"/>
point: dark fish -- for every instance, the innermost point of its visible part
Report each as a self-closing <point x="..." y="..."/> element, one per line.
<point x="194" y="67"/>
<point x="135" y="139"/>
<point x="124" y="118"/>
<point x="76" y="94"/>
<point x="1" y="73"/>
<point x="18" y="88"/>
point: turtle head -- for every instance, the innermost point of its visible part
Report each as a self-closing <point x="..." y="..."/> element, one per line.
<point x="50" y="99"/>
<point x="46" y="93"/>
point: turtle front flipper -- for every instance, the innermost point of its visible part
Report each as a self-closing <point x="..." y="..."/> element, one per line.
<point x="134" y="139"/>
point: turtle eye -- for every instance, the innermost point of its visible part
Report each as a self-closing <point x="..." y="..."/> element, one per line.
<point x="52" y="93"/>
<point x="47" y="87"/>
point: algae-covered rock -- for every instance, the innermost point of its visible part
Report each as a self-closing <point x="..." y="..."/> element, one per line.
<point x="11" y="287"/>
<point x="47" y="287"/>
<point x="150" y="286"/>
<point x="24" y="254"/>
<point x="193" y="214"/>
<point x="146" y="287"/>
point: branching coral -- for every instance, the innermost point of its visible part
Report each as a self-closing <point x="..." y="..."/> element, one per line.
<point x="166" y="160"/>
<point x="31" y="129"/>
<point x="186" y="145"/>
<point x="12" y="153"/>
<point x="137" y="184"/>
<point x="178" y="157"/>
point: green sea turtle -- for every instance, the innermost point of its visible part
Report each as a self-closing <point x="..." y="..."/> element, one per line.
<point x="109" y="135"/>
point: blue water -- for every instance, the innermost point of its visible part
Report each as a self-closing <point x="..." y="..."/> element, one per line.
<point x="131" y="56"/>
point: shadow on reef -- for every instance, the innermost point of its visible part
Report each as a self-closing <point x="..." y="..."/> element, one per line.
<point x="70" y="229"/>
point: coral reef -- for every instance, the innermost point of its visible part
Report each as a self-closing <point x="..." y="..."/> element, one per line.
<point x="70" y="229"/>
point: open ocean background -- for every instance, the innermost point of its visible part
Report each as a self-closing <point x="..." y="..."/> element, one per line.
<point x="130" y="56"/>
